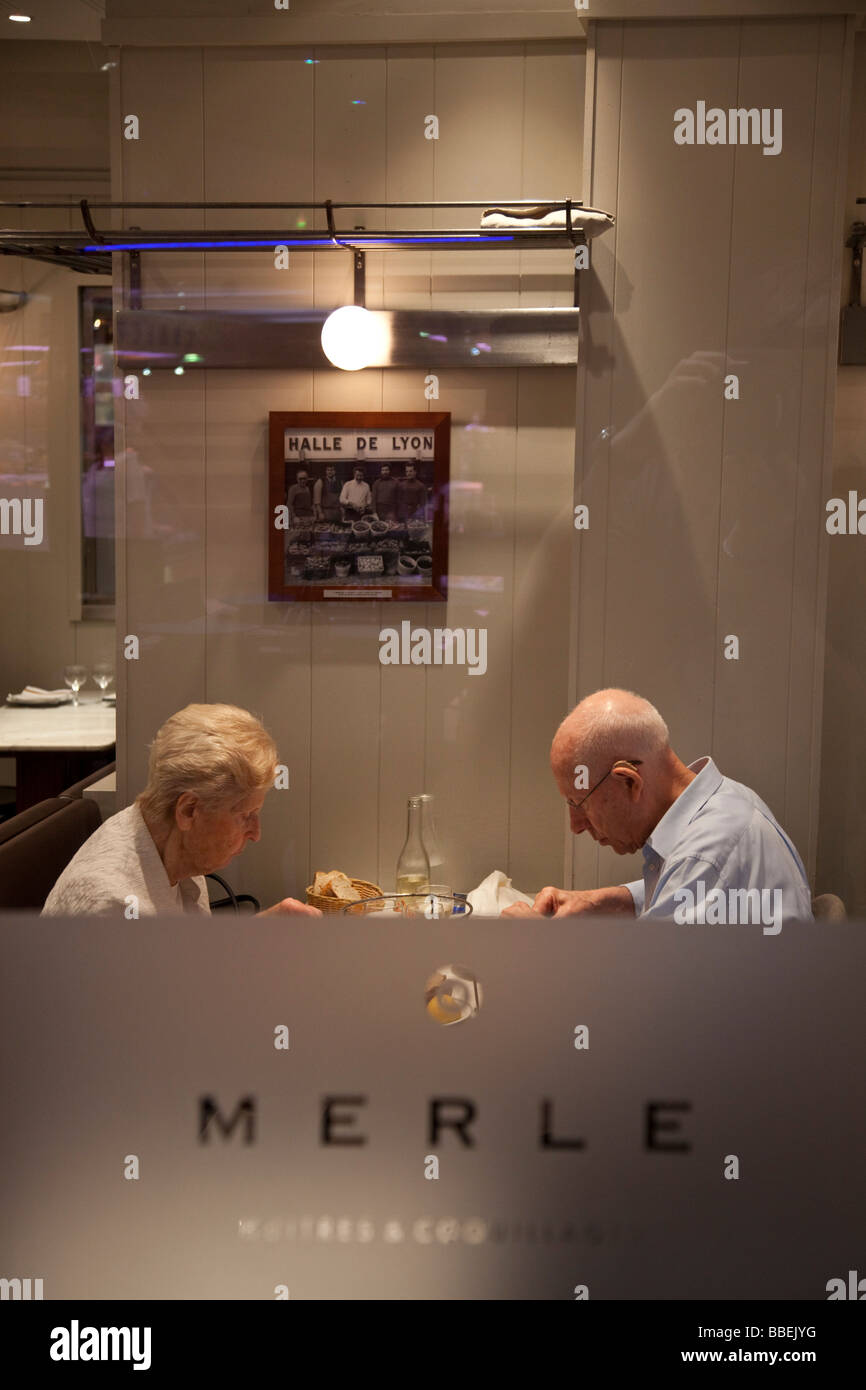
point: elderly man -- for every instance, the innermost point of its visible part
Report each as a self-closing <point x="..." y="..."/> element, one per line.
<point x="299" y="500"/>
<point x="708" y="842"/>
<point x="210" y="769"/>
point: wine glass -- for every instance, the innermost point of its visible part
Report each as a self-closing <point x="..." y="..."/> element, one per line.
<point x="103" y="674"/>
<point x="75" y="676"/>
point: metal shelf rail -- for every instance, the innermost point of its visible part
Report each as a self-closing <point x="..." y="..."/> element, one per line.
<point x="90" y="250"/>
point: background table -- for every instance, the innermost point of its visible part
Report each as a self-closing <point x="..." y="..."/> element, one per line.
<point x="55" y="747"/>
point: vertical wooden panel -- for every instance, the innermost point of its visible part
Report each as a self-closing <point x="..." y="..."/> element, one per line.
<point x="350" y="162"/>
<point x="469" y="717"/>
<point x="763" y="436"/>
<point x="350" y="155"/>
<point x="544" y="533"/>
<point x="266" y="157"/>
<point x="258" y="653"/>
<point x="164" y="459"/>
<point x="345" y="695"/>
<point x="403" y="691"/>
<point x="552" y="160"/>
<point x="666" y="407"/>
<point x="810" y="551"/>
<point x="594" y="389"/>
<point x="479" y="99"/>
<point x="403" y="697"/>
<point x="120" y="300"/>
<point x="411" y="97"/>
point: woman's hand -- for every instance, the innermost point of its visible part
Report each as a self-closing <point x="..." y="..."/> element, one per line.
<point x="290" y="907"/>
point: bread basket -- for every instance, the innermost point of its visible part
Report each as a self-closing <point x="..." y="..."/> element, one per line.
<point x="367" y="890"/>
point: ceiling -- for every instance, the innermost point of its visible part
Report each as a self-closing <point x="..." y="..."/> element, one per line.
<point x="82" y="19"/>
<point x="53" y="19"/>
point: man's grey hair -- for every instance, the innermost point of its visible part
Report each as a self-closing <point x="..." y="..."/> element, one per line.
<point x="607" y="729"/>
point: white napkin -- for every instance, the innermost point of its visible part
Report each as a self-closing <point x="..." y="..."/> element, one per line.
<point x="495" y="893"/>
<point x="35" y="695"/>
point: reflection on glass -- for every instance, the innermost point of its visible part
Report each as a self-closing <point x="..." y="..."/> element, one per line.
<point x="96" y="359"/>
<point x="424" y="905"/>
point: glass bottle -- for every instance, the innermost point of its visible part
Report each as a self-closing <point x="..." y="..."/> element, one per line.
<point x="430" y="839"/>
<point x="413" y="866"/>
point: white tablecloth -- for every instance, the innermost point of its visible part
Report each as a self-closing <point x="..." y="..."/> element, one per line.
<point x="87" y="726"/>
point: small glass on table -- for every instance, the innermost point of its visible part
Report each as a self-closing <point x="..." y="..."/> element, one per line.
<point x="103" y="674"/>
<point x="75" y="677"/>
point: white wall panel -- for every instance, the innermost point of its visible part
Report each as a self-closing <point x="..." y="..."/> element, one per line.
<point x="723" y="260"/>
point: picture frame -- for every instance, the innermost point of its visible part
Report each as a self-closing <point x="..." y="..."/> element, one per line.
<point x="358" y="506"/>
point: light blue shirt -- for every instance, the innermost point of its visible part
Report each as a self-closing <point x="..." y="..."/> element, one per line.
<point x="719" y="855"/>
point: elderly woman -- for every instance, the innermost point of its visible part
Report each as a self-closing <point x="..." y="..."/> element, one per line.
<point x="210" y="769"/>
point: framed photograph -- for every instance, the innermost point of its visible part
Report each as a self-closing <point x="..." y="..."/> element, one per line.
<point x="358" y="505"/>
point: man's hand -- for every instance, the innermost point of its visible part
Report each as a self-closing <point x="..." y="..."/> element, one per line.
<point x="290" y="907"/>
<point x="559" y="902"/>
<point x="519" y="910"/>
<point x="554" y="902"/>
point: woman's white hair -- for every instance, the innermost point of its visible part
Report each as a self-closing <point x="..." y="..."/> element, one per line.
<point x="615" y="724"/>
<point x="222" y="753"/>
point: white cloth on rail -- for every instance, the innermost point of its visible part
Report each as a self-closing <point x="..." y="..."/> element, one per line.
<point x="591" y="221"/>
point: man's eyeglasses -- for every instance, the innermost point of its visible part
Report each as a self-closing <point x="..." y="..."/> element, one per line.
<point x="620" y="762"/>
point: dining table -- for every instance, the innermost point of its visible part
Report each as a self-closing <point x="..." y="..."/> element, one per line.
<point x="55" y="746"/>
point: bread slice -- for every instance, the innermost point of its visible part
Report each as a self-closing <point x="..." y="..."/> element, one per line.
<point x="344" y="889"/>
<point x="322" y="884"/>
<point x="335" y="884"/>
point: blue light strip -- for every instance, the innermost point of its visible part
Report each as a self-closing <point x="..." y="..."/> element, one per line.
<point x="343" y="241"/>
